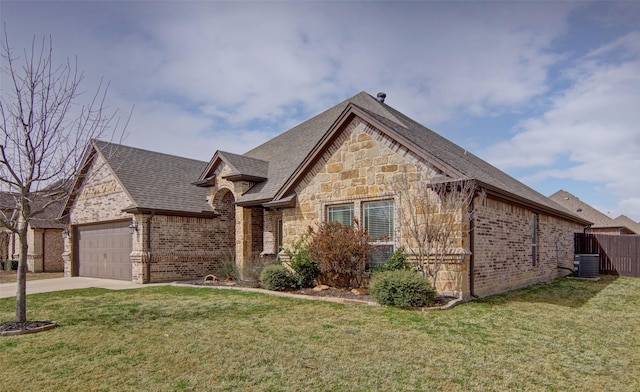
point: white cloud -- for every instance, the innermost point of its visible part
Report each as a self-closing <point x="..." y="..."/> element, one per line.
<point x="593" y="124"/>
<point x="229" y="75"/>
<point x="248" y="62"/>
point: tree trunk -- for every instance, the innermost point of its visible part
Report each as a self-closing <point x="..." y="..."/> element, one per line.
<point x="21" y="291"/>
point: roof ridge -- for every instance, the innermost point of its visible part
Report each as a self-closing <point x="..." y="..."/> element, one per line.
<point x="120" y="145"/>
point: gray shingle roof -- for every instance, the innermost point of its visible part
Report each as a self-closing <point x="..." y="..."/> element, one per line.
<point x="245" y="166"/>
<point x="286" y="152"/>
<point x="156" y="181"/>
<point x="47" y="218"/>
<point x="582" y="209"/>
<point x="464" y="162"/>
<point x="629" y="223"/>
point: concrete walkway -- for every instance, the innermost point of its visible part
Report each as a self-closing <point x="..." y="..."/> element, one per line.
<point x="58" y="284"/>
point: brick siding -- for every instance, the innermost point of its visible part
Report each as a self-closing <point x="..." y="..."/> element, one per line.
<point x="503" y="247"/>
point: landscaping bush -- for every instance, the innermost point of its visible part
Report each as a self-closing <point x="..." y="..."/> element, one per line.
<point x="305" y="269"/>
<point x="401" y="288"/>
<point x="276" y="277"/>
<point x="11" y="265"/>
<point x="397" y="261"/>
<point x="342" y="253"/>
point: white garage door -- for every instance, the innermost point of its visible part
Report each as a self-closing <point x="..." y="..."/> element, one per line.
<point x="104" y="249"/>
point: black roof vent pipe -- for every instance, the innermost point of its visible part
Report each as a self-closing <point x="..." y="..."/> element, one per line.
<point x="381" y="97"/>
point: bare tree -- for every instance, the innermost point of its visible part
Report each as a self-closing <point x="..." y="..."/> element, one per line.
<point x="435" y="218"/>
<point x="44" y="130"/>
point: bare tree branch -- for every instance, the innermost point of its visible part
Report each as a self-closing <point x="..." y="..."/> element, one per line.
<point x="43" y="136"/>
<point x="435" y="218"/>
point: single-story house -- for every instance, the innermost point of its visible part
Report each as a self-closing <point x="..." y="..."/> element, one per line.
<point x="134" y="215"/>
<point x="147" y="217"/>
<point x="602" y="223"/>
<point x="44" y="236"/>
<point x="345" y="161"/>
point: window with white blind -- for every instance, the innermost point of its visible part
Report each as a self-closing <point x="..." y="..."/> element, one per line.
<point x="379" y="222"/>
<point x="341" y="213"/>
<point x="377" y="218"/>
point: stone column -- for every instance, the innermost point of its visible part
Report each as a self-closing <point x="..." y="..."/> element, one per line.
<point x="243" y="241"/>
<point x="140" y="254"/>
<point x="34" y="255"/>
<point x="67" y="253"/>
<point x="270" y="236"/>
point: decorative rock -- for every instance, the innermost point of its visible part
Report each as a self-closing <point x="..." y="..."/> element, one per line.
<point x="321" y="287"/>
<point x="360" y="291"/>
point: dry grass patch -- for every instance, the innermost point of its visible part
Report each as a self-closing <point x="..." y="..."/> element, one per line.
<point x="568" y="336"/>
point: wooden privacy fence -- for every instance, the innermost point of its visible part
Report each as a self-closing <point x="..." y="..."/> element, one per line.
<point x="619" y="254"/>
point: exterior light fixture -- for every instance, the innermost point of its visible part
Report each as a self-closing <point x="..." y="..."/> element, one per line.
<point x="66" y="233"/>
<point x="133" y="227"/>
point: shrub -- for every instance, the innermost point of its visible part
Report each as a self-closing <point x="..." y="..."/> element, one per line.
<point x="401" y="288"/>
<point x="276" y="277"/>
<point x="305" y="269"/>
<point x="228" y="265"/>
<point x="11" y="265"/>
<point x="342" y="252"/>
<point x="397" y="261"/>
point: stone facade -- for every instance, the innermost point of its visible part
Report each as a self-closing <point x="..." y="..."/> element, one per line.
<point x="45" y="249"/>
<point x="364" y="165"/>
<point x="164" y="247"/>
<point x="255" y="229"/>
<point x="361" y="165"/>
<point x="99" y="199"/>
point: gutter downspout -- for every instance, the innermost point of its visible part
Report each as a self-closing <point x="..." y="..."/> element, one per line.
<point x="148" y="264"/>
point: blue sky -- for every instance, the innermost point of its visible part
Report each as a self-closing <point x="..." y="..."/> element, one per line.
<point x="549" y="92"/>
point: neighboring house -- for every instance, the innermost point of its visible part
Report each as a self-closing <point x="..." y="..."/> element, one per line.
<point x="629" y="223"/>
<point x="134" y="215"/>
<point x="44" y="236"/>
<point x="602" y="223"/>
<point x="343" y="164"/>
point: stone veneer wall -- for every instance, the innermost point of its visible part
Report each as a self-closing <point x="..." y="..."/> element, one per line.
<point x="502" y="247"/>
<point x="270" y="233"/>
<point x="45" y="250"/>
<point x="364" y="165"/>
<point x="100" y="199"/>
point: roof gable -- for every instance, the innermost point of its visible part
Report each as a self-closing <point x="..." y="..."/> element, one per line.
<point x="582" y="209"/>
<point x="242" y="168"/>
<point x="287" y="151"/>
<point x="436" y="150"/>
<point x="629" y="223"/>
<point x="153" y="181"/>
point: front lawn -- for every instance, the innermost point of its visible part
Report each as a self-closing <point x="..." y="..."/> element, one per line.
<point x="572" y="335"/>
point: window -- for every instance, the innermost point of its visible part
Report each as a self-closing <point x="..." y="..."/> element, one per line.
<point x="341" y="213"/>
<point x="378" y="221"/>
<point x="280" y="234"/>
<point x="534" y="239"/>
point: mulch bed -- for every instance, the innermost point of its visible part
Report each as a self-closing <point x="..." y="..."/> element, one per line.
<point x="330" y="292"/>
<point x="10" y="328"/>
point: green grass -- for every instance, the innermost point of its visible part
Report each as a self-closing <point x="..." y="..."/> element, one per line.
<point x="571" y="335"/>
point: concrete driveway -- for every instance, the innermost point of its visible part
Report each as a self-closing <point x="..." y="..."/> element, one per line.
<point x="58" y="284"/>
